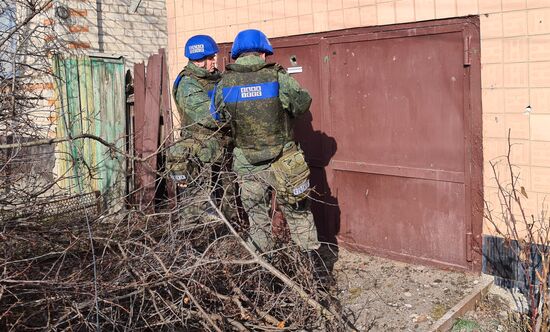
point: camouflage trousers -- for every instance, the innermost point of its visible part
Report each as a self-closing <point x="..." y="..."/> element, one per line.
<point x="211" y="181"/>
<point x="223" y="184"/>
<point x="255" y="193"/>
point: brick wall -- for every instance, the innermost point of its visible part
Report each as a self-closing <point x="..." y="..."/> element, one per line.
<point x="515" y="59"/>
<point x="109" y="26"/>
<point x="515" y="74"/>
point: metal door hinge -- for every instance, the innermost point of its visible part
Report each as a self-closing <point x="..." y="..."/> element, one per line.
<point x="467" y="51"/>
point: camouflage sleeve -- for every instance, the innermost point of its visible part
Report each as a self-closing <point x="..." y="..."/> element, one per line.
<point x="294" y="98"/>
<point x="220" y="105"/>
<point x="194" y="101"/>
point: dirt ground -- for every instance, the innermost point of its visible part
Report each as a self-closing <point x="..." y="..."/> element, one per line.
<point x="386" y="295"/>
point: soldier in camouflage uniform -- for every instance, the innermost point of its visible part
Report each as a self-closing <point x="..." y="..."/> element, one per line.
<point x="204" y="149"/>
<point x="261" y="99"/>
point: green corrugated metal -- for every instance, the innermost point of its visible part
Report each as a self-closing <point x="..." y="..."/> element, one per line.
<point x="91" y="100"/>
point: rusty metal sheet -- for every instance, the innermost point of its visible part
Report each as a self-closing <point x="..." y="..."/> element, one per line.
<point x="407" y="218"/>
<point x="404" y="105"/>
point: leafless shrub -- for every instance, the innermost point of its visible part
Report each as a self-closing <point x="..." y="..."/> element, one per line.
<point x="527" y="235"/>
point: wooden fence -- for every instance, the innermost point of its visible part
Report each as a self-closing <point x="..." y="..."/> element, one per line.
<point x="152" y="128"/>
<point x="91" y="100"/>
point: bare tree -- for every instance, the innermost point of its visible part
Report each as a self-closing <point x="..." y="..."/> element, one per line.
<point x="26" y="46"/>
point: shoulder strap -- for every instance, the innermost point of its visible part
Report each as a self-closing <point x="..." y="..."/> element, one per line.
<point x="177" y="82"/>
<point x="213" y="111"/>
<point x="244" y="68"/>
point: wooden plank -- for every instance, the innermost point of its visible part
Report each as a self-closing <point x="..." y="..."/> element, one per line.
<point x="119" y="110"/>
<point x="97" y="74"/>
<point x="130" y="162"/>
<point x="139" y="121"/>
<point x="74" y="125"/>
<point x="107" y="117"/>
<point x="84" y="114"/>
<point x="167" y="127"/>
<point x="139" y="104"/>
<point x="166" y="99"/>
<point x="109" y="105"/>
<point x="151" y="129"/>
<point x="91" y="122"/>
<point x="61" y="130"/>
<point x="64" y="119"/>
<point x="468" y="303"/>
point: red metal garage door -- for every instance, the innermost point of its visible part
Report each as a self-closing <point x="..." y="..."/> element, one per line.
<point x="395" y="137"/>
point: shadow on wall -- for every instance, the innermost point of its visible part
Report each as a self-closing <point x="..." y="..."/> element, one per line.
<point x="319" y="148"/>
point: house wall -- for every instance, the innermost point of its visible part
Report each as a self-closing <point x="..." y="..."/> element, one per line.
<point x="109" y="26"/>
<point x="515" y="56"/>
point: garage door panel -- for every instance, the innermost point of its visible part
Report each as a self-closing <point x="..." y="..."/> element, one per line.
<point x="324" y="206"/>
<point x="397" y="109"/>
<point x="403" y="101"/>
<point x="403" y="216"/>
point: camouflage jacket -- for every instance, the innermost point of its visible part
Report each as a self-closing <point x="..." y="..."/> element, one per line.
<point x="293" y="99"/>
<point x="192" y="97"/>
<point x="192" y="92"/>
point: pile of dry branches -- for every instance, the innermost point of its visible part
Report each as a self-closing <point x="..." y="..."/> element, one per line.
<point x="157" y="272"/>
<point x="66" y="265"/>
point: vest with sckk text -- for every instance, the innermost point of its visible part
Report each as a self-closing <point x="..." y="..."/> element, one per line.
<point x="259" y="124"/>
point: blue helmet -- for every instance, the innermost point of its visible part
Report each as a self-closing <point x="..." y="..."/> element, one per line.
<point x="199" y="47"/>
<point x="251" y="40"/>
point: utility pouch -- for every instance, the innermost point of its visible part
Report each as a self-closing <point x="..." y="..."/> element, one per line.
<point x="291" y="175"/>
<point x="180" y="164"/>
